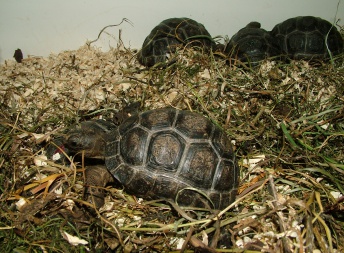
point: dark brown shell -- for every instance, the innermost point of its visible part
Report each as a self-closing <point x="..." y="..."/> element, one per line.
<point x="170" y="34"/>
<point x="163" y="153"/>
<point x="251" y="44"/>
<point x="304" y="37"/>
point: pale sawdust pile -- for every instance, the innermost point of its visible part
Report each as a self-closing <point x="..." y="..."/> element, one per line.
<point x="285" y="120"/>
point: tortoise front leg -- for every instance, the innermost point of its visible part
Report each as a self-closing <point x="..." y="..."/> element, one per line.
<point x="97" y="177"/>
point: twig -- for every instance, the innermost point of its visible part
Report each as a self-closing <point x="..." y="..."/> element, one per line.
<point x="279" y="214"/>
<point x="123" y="20"/>
<point x="187" y="239"/>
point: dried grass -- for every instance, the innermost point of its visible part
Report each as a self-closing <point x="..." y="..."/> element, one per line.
<point x="285" y="119"/>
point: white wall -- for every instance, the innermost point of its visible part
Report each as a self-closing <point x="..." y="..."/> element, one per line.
<point x="41" y="27"/>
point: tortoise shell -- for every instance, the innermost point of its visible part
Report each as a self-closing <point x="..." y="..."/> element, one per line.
<point x="170" y="34"/>
<point x="251" y="44"/>
<point x="164" y="153"/>
<point x="305" y="37"/>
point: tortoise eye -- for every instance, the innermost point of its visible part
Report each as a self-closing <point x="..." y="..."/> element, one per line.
<point x="73" y="142"/>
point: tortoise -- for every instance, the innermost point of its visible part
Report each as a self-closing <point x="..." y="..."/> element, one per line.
<point x="176" y="155"/>
<point x="168" y="35"/>
<point x="251" y="44"/>
<point x="307" y="37"/>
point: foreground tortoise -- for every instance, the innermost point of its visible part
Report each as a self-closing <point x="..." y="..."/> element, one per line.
<point x="305" y="37"/>
<point x="170" y="34"/>
<point x="252" y="44"/>
<point x="162" y="154"/>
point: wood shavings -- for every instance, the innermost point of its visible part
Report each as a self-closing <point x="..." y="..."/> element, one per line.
<point x="41" y="96"/>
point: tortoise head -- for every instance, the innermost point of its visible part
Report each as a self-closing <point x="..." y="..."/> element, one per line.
<point x="89" y="137"/>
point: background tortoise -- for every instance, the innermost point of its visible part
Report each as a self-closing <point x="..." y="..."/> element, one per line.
<point x="169" y="34"/>
<point x="161" y="152"/>
<point x="304" y="37"/>
<point x="251" y="44"/>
